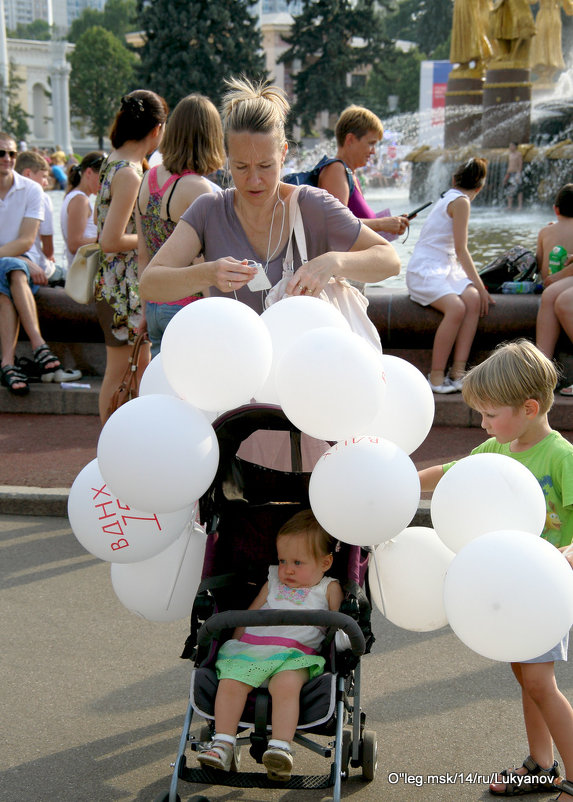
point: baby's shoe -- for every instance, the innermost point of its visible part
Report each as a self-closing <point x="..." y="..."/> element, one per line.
<point x="218" y="755"/>
<point x="278" y="763"/>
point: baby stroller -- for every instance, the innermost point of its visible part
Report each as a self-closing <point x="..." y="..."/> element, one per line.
<point x="243" y="510"/>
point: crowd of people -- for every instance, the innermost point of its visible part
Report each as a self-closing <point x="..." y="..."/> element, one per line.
<point x="169" y="236"/>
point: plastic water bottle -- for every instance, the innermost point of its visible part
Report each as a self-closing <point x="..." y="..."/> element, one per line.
<point x="517" y="287"/>
<point x="557" y="259"/>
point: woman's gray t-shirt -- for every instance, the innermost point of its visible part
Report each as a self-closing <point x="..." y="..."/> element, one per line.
<point x="328" y="226"/>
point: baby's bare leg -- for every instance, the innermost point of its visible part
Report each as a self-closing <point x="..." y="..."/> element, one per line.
<point x="284" y="689"/>
<point x="229" y="704"/>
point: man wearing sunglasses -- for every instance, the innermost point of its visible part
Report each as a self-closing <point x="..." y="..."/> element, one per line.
<point x="21" y="211"/>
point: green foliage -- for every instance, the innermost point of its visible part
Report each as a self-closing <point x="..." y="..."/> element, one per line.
<point x="332" y="39"/>
<point x="13" y="118"/>
<point x="118" y="17"/>
<point x="38" y="30"/>
<point x="428" y="23"/>
<point x="192" y="46"/>
<point x="102" y="71"/>
<point x="398" y="75"/>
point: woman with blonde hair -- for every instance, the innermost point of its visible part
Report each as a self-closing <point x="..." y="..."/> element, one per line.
<point x="136" y="132"/>
<point x="251" y="220"/>
<point x="191" y="149"/>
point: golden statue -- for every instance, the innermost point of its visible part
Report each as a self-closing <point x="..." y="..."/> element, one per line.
<point x="512" y="27"/>
<point x="546" y="53"/>
<point x="470" y="48"/>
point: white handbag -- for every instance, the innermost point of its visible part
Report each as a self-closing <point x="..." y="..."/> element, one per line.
<point x="349" y="301"/>
<point x="82" y="272"/>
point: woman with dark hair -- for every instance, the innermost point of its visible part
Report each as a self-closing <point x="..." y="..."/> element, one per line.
<point x="136" y="132"/>
<point x="191" y="149"/>
<point x="76" y="214"/>
<point x="441" y="274"/>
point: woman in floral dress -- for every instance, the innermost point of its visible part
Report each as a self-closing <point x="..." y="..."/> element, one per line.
<point x="136" y="132"/>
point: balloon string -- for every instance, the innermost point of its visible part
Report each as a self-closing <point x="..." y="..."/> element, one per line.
<point x="382" y="603"/>
<point x="189" y="530"/>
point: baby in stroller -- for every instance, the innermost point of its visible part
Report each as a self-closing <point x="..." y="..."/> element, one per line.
<point x="286" y="658"/>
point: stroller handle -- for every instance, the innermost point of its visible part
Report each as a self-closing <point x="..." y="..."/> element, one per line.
<point x="276" y="618"/>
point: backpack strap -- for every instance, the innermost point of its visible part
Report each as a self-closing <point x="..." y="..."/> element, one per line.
<point x="325" y="161"/>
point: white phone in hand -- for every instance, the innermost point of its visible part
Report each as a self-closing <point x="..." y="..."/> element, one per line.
<point x="260" y="281"/>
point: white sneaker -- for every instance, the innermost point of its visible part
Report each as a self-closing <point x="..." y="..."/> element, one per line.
<point x="456" y="383"/>
<point x="446" y="387"/>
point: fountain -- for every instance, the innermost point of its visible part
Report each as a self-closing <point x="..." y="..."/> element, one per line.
<point x="492" y="101"/>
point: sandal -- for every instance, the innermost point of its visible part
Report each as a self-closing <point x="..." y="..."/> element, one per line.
<point x="534" y="781"/>
<point x="33" y="372"/>
<point x="278" y="763"/>
<point x="218" y="755"/>
<point x="44" y="357"/>
<point x="564" y="787"/>
<point x="568" y="391"/>
<point x="10" y="375"/>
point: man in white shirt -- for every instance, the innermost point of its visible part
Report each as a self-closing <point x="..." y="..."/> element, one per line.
<point x="21" y="211"/>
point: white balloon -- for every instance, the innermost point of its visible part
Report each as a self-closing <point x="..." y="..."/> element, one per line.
<point x="164" y="587"/>
<point x="364" y="491"/>
<point x="407" y="411"/>
<point x="329" y="383"/>
<point x="112" y="530"/>
<point x="216" y="353"/>
<point x="509" y="596"/>
<point x="288" y="319"/>
<point x="484" y="493"/>
<point x="154" y="381"/>
<point x="158" y="453"/>
<point x="408" y="587"/>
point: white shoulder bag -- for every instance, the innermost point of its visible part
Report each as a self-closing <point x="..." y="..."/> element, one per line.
<point x="349" y="301"/>
<point x="82" y="272"/>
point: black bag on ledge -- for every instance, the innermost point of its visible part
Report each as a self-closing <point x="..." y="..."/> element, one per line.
<point x="517" y="264"/>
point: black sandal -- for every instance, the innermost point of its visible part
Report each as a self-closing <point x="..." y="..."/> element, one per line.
<point x="43" y="356"/>
<point x="564" y="787"/>
<point x="11" y="375"/>
<point x="535" y="781"/>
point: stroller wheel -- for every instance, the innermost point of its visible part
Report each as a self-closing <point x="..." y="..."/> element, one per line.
<point x="369" y="755"/>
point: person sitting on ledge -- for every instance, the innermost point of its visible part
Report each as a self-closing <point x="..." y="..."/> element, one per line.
<point x="21" y="211"/>
<point x="556" y="307"/>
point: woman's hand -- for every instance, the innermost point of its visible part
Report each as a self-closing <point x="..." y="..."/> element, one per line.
<point x="485" y="300"/>
<point x="311" y="278"/>
<point x="231" y="274"/>
<point x="392" y="225"/>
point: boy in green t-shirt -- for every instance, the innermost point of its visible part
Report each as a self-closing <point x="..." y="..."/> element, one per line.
<point x="513" y="392"/>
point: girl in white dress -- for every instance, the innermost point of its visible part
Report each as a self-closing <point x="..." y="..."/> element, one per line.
<point x="441" y="274"/>
<point x="77" y="213"/>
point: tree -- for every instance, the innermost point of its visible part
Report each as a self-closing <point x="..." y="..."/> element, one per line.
<point x="102" y="71"/>
<point x="38" y="30"/>
<point x="399" y="75"/>
<point x="205" y="42"/>
<point x="332" y="39"/>
<point x="13" y="118"/>
<point x="428" y="23"/>
<point x="118" y="17"/>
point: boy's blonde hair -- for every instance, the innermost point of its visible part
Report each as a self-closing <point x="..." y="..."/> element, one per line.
<point x="320" y="543"/>
<point x="29" y="160"/>
<point x="512" y="374"/>
<point x="257" y="108"/>
<point x="358" y="121"/>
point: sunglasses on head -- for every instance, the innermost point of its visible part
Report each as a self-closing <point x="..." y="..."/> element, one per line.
<point x="96" y="162"/>
<point x="11" y="153"/>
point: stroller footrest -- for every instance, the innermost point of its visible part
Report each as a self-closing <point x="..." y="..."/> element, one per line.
<point x="254" y="779"/>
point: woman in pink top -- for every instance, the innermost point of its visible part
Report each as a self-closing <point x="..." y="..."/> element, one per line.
<point x="191" y="148"/>
<point x="357" y="131"/>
